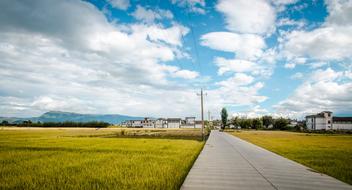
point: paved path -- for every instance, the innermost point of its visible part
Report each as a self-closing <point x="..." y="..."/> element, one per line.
<point x="228" y="162"/>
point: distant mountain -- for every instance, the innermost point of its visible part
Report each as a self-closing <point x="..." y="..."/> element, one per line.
<point x="58" y="116"/>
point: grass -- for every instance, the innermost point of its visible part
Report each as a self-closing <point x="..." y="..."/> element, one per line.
<point x="329" y="154"/>
<point x="84" y="159"/>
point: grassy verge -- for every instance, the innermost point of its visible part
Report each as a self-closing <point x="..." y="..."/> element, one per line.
<point x="326" y="153"/>
<point x="81" y="159"/>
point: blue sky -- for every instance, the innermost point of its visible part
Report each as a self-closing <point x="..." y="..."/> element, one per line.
<point x="150" y="58"/>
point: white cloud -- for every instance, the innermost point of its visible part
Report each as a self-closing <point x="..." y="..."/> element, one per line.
<point x="239" y="79"/>
<point x="291" y="64"/>
<point x="323" y="90"/>
<point x="246" y="46"/>
<point x="196" y="6"/>
<point x="61" y="60"/>
<point x="120" y="4"/>
<point x="326" y="43"/>
<point x="248" y="16"/>
<point x="330" y="42"/>
<point x="315" y="65"/>
<point x="149" y="16"/>
<point x="242" y="66"/>
<point x="325" y="75"/>
<point x="254" y="112"/>
<point x="339" y="12"/>
<point x="234" y="65"/>
<point x="297" y="75"/>
<point x="299" y="24"/>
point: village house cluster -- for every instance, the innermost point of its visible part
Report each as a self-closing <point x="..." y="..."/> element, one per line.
<point x="325" y="121"/>
<point x="188" y="122"/>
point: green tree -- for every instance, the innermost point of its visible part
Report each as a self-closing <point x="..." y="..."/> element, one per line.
<point x="280" y="123"/>
<point x="224" y="116"/>
<point x="267" y="121"/>
<point x="235" y="121"/>
<point x="245" y="123"/>
<point x="257" y="123"/>
<point x="4" y="123"/>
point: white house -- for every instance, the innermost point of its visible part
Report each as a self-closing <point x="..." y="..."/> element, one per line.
<point x="320" y="121"/>
<point x="160" y="123"/>
<point x="342" y="123"/>
<point x="148" y="123"/>
<point x="325" y="121"/>
<point x="189" y="122"/>
<point x="198" y="124"/>
<point x="145" y="123"/>
<point x="174" y="123"/>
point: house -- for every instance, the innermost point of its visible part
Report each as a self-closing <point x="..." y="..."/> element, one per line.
<point x="145" y="123"/>
<point x="148" y="123"/>
<point x="189" y="122"/>
<point x="325" y="121"/>
<point x="320" y="121"/>
<point x="198" y="124"/>
<point x="160" y="123"/>
<point x="174" y="122"/>
<point x="342" y="123"/>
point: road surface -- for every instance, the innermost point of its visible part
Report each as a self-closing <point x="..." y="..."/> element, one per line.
<point x="227" y="162"/>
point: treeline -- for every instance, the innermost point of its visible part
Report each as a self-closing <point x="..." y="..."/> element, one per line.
<point x="260" y="123"/>
<point x="92" y="124"/>
<point x="265" y="122"/>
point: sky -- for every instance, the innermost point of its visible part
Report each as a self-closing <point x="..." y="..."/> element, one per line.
<point x="151" y="58"/>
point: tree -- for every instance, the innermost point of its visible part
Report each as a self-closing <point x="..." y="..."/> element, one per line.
<point x="257" y="123"/>
<point x="4" y="123"/>
<point x="280" y="123"/>
<point x="224" y="117"/>
<point x="267" y="121"/>
<point x="235" y="121"/>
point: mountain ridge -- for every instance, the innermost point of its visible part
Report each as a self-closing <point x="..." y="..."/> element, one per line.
<point x="61" y="116"/>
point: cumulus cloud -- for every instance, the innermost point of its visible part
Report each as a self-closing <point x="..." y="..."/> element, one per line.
<point x="326" y="43"/>
<point x="196" y="6"/>
<point x="323" y="90"/>
<point x="248" y="16"/>
<point x="330" y="42"/>
<point x="60" y="60"/>
<point x="297" y="75"/>
<point x="150" y="16"/>
<point x="120" y="4"/>
<point x="244" y="66"/>
<point x="239" y="79"/>
<point x="246" y="46"/>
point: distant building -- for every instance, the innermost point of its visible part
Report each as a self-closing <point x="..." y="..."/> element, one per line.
<point x="174" y="122"/>
<point x="342" y="123"/>
<point x="325" y="121"/>
<point x="198" y="124"/>
<point x="189" y="122"/>
<point x="145" y="123"/>
<point x="160" y="123"/>
<point x="148" y="123"/>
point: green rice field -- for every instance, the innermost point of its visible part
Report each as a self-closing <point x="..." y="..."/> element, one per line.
<point x="95" y="159"/>
<point x="327" y="153"/>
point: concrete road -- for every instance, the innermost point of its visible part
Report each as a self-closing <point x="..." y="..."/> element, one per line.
<point x="228" y="162"/>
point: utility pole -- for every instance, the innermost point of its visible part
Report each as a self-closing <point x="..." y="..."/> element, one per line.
<point x="202" y="110"/>
<point x="208" y="115"/>
<point x="201" y="107"/>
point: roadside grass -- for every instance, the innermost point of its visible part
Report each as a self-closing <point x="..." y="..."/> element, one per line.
<point x="76" y="159"/>
<point x="325" y="153"/>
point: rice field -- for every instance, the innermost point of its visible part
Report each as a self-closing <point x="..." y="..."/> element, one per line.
<point x="93" y="159"/>
<point x="326" y="153"/>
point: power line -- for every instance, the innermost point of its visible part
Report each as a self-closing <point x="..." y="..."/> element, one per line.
<point x="154" y="12"/>
<point x="194" y="43"/>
